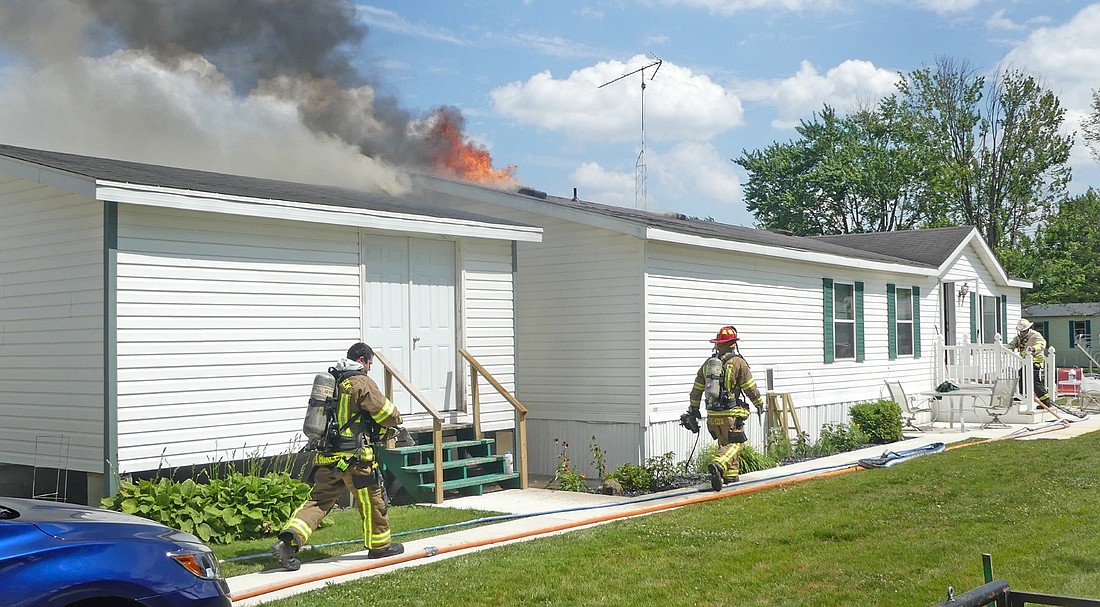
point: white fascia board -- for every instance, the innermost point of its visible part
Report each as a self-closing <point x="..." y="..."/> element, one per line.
<point x="798" y="255"/>
<point x="987" y="257"/>
<point x="36" y="173"/>
<point x="111" y="191"/>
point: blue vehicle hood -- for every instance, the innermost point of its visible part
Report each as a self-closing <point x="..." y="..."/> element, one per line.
<point x="72" y="522"/>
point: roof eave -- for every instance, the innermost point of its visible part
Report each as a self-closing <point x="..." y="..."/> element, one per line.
<point x="155" y="196"/>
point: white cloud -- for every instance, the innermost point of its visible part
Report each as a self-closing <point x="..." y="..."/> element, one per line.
<point x="679" y="104"/>
<point x="594" y="182"/>
<point x="1066" y="58"/>
<point x="690" y="178"/>
<point x="386" y="19"/>
<point x="729" y="7"/>
<point x="848" y="86"/>
<point x="944" y="7"/>
<point x="998" y="21"/>
<point x="693" y="171"/>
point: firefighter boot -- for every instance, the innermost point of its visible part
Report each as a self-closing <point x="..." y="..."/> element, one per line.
<point x="393" y="549"/>
<point x="715" y="476"/>
<point x="284" y="551"/>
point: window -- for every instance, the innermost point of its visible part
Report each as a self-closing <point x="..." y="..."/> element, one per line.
<point x="903" y="321"/>
<point x="844" y="321"/>
<point x="904" y="299"/>
<point x="842" y="312"/>
<point x="992" y="323"/>
<point x="1079" y="331"/>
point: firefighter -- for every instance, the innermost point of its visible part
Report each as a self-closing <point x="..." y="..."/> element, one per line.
<point x="724" y="378"/>
<point x="347" y="463"/>
<point x="1030" y="341"/>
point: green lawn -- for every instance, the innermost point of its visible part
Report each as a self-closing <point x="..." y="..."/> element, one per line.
<point x="343" y="528"/>
<point x="893" y="537"/>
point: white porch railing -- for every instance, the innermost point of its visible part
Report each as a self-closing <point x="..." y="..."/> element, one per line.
<point x="980" y="364"/>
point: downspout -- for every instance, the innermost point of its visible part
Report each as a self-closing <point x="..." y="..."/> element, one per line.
<point x="110" y="348"/>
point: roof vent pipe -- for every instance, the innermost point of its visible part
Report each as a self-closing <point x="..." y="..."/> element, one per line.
<point x="575" y="199"/>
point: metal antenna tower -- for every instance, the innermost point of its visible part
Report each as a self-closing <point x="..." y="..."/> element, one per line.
<point x="641" y="173"/>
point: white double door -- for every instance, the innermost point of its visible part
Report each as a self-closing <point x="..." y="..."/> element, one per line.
<point x="410" y="315"/>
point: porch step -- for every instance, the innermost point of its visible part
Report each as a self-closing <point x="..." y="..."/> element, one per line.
<point x="469" y="465"/>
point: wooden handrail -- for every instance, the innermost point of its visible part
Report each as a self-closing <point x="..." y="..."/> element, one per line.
<point x="437" y="418"/>
<point x="520" y="453"/>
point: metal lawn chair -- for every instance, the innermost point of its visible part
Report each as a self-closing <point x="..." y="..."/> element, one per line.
<point x="910" y="409"/>
<point x="1000" y="402"/>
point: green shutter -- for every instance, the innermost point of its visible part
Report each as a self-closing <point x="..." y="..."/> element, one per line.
<point x="859" y="322"/>
<point x="827" y="313"/>
<point x="916" y="321"/>
<point x="1072" y="337"/>
<point x="891" y="321"/>
<point x="1004" y="319"/>
<point x="973" y="318"/>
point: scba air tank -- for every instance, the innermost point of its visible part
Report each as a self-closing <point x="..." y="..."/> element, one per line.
<point x="324" y="386"/>
<point x="712" y="373"/>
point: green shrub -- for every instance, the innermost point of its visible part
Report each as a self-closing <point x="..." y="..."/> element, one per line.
<point x="663" y="471"/>
<point x="705" y="457"/>
<point x="632" y="478"/>
<point x="222" y="510"/>
<point x="839" y="438"/>
<point x="752" y="460"/>
<point x="879" y="420"/>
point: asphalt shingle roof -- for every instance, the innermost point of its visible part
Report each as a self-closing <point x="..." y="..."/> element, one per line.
<point x="234" y="185"/>
<point x="1071" y="309"/>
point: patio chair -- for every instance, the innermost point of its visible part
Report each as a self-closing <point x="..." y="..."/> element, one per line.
<point x="1000" y="402"/>
<point x="910" y="409"/>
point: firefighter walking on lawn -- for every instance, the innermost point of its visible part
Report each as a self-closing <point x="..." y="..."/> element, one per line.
<point x="345" y="461"/>
<point x="724" y="378"/>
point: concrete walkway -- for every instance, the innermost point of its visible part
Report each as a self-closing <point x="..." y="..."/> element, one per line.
<point x="547" y="512"/>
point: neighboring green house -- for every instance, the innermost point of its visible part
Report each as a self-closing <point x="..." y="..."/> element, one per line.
<point x="1069" y="328"/>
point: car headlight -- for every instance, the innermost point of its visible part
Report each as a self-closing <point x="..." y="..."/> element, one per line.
<point x="199" y="561"/>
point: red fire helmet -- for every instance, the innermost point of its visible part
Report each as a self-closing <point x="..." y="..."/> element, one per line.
<point x="725" y="335"/>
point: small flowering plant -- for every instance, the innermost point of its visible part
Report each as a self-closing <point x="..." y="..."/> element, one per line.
<point x="566" y="477"/>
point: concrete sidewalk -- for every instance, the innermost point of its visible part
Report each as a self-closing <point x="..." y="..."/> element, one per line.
<point x="543" y="512"/>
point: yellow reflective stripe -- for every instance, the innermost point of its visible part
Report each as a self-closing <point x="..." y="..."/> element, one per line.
<point x="326" y="460"/>
<point x="749" y="384"/>
<point x="343" y="409"/>
<point x="382" y="539"/>
<point x="300" y="529"/>
<point x="384" y="413"/>
<point x="365" y="514"/>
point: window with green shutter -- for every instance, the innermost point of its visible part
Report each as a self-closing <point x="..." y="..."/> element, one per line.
<point x="843" y="320"/>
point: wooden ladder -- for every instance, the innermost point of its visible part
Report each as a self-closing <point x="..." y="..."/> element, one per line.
<point x="781" y="415"/>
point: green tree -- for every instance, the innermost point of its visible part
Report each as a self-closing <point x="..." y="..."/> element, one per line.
<point x="1090" y="127"/>
<point x="1002" y="164"/>
<point x="1061" y="258"/>
<point x="845" y="175"/>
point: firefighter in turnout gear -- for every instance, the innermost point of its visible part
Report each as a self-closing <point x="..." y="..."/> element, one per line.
<point x="1031" y="342"/>
<point x="346" y="462"/>
<point x="724" y="378"/>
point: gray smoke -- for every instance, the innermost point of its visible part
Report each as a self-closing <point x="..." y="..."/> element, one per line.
<point x="262" y="87"/>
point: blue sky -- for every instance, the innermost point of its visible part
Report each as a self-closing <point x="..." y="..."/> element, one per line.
<point x="736" y="75"/>
<point x="202" y="85"/>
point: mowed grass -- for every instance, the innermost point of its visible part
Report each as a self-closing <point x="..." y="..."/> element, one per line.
<point x="892" y="537"/>
<point x="343" y="528"/>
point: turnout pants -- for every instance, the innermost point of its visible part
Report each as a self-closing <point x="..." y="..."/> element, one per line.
<point x="1041" y="391"/>
<point x="725" y="429"/>
<point x="328" y="482"/>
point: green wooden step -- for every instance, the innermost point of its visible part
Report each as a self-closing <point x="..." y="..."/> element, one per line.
<point x="428" y="447"/>
<point x="457" y="463"/>
<point x="473" y="481"/>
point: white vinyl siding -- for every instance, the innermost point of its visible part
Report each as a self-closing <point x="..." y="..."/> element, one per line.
<point x="580" y="332"/>
<point x="222" y="323"/>
<point x="487" y="287"/>
<point x="51" y="328"/>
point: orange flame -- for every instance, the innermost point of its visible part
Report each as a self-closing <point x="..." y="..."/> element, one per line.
<point x="454" y="156"/>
